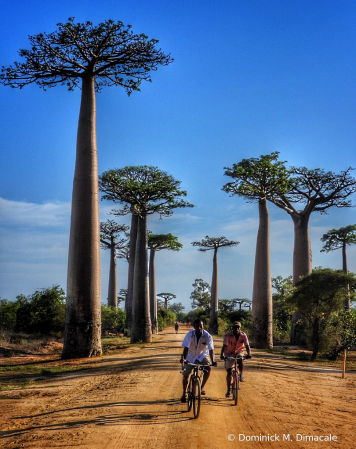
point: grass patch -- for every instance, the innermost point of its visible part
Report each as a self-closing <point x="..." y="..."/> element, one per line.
<point x="111" y="345"/>
<point x="11" y="385"/>
<point x="40" y="370"/>
<point x="291" y="353"/>
<point x="13" y="396"/>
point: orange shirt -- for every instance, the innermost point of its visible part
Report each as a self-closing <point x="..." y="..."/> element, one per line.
<point x="234" y="346"/>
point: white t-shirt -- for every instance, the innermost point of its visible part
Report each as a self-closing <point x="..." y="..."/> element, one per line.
<point x="200" y="350"/>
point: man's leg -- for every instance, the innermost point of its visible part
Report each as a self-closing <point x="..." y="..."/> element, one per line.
<point x="205" y="376"/>
<point x="241" y="369"/>
<point x="228" y="379"/>
<point x="185" y="384"/>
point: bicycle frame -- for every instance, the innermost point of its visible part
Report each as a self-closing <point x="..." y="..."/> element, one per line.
<point x="194" y="388"/>
<point x="235" y="377"/>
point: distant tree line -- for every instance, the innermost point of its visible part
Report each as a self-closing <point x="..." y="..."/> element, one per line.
<point x="43" y="313"/>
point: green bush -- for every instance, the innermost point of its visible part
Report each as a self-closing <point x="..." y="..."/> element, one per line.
<point x="340" y="333"/>
<point x="320" y="298"/>
<point x="8" y="311"/>
<point x="245" y="318"/>
<point x="112" y="320"/>
<point x="224" y="327"/>
<point x="43" y="312"/>
<point x="199" y="313"/>
<point x="165" y="317"/>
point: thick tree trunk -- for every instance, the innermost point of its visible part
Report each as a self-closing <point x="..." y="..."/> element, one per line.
<point x="141" y="320"/>
<point x="153" y="294"/>
<point x="131" y="271"/>
<point x="347" y="303"/>
<point x="262" y="311"/>
<point x="214" y="305"/>
<point x="112" y="291"/>
<point x="302" y="255"/>
<point x="82" y="336"/>
<point x="302" y="263"/>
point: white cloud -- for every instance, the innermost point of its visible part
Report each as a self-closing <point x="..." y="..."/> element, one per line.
<point x="16" y="213"/>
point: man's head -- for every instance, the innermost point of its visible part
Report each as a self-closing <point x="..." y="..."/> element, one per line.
<point x="236" y="327"/>
<point x="198" y="326"/>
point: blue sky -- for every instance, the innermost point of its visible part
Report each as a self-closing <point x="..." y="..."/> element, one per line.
<point x="248" y="78"/>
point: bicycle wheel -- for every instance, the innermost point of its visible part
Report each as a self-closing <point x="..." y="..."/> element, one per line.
<point x="190" y="394"/>
<point x="196" y="397"/>
<point x="235" y="387"/>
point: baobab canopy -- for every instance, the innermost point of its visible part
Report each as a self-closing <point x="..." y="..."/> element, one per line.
<point x="110" y="52"/>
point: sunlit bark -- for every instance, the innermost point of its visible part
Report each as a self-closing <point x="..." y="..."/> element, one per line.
<point x="83" y="307"/>
<point x="141" y="319"/>
<point x="262" y="319"/>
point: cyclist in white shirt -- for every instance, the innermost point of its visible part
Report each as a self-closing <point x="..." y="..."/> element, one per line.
<point x="199" y="349"/>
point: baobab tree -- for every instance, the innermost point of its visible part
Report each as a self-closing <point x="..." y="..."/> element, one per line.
<point x="158" y="242"/>
<point x="131" y="270"/>
<point x="242" y="302"/>
<point x="259" y="179"/>
<point x="109" y="239"/>
<point x="123" y="292"/>
<point x="207" y="244"/>
<point x="340" y="238"/>
<point x="176" y="308"/>
<point x="319" y="191"/>
<point x="89" y="57"/>
<point x="167" y="297"/>
<point x="144" y="191"/>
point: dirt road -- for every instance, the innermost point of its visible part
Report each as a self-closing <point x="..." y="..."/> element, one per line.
<point x="131" y="400"/>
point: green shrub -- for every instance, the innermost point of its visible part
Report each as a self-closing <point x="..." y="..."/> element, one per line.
<point x="224" y="327"/>
<point x="112" y="320"/>
<point x="165" y="317"/>
<point x="8" y="311"/>
<point x="199" y="313"/>
<point x="340" y="333"/>
<point x="43" y="312"/>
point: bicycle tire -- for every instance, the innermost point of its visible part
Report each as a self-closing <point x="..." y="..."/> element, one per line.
<point x="196" y="397"/>
<point x="235" y="388"/>
<point x="190" y="394"/>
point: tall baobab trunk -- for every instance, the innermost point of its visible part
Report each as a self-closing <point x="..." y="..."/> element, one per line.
<point x="131" y="271"/>
<point x="153" y="293"/>
<point x="112" y="291"/>
<point x="141" y="320"/>
<point x="302" y="263"/>
<point x="82" y="336"/>
<point x="213" y="325"/>
<point x="347" y="303"/>
<point x="262" y="311"/>
<point x="302" y="255"/>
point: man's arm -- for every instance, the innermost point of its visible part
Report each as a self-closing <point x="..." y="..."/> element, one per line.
<point x="222" y="352"/>
<point x="184" y="355"/>
<point x="211" y="353"/>
<point x="248" y="349"/>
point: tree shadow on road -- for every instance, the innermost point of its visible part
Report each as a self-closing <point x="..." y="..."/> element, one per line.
<point x="139" y="416"/>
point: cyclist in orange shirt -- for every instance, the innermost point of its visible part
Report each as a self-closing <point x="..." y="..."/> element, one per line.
<point x="233" y="346"/>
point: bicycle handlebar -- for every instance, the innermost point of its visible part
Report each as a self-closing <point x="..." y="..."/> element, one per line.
<point x="235" y="358"/>
<point x="196" y="364"/>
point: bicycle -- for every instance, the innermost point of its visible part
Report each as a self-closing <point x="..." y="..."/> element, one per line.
<point x="194" y="388"/>
<point x="235" y="377"/>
